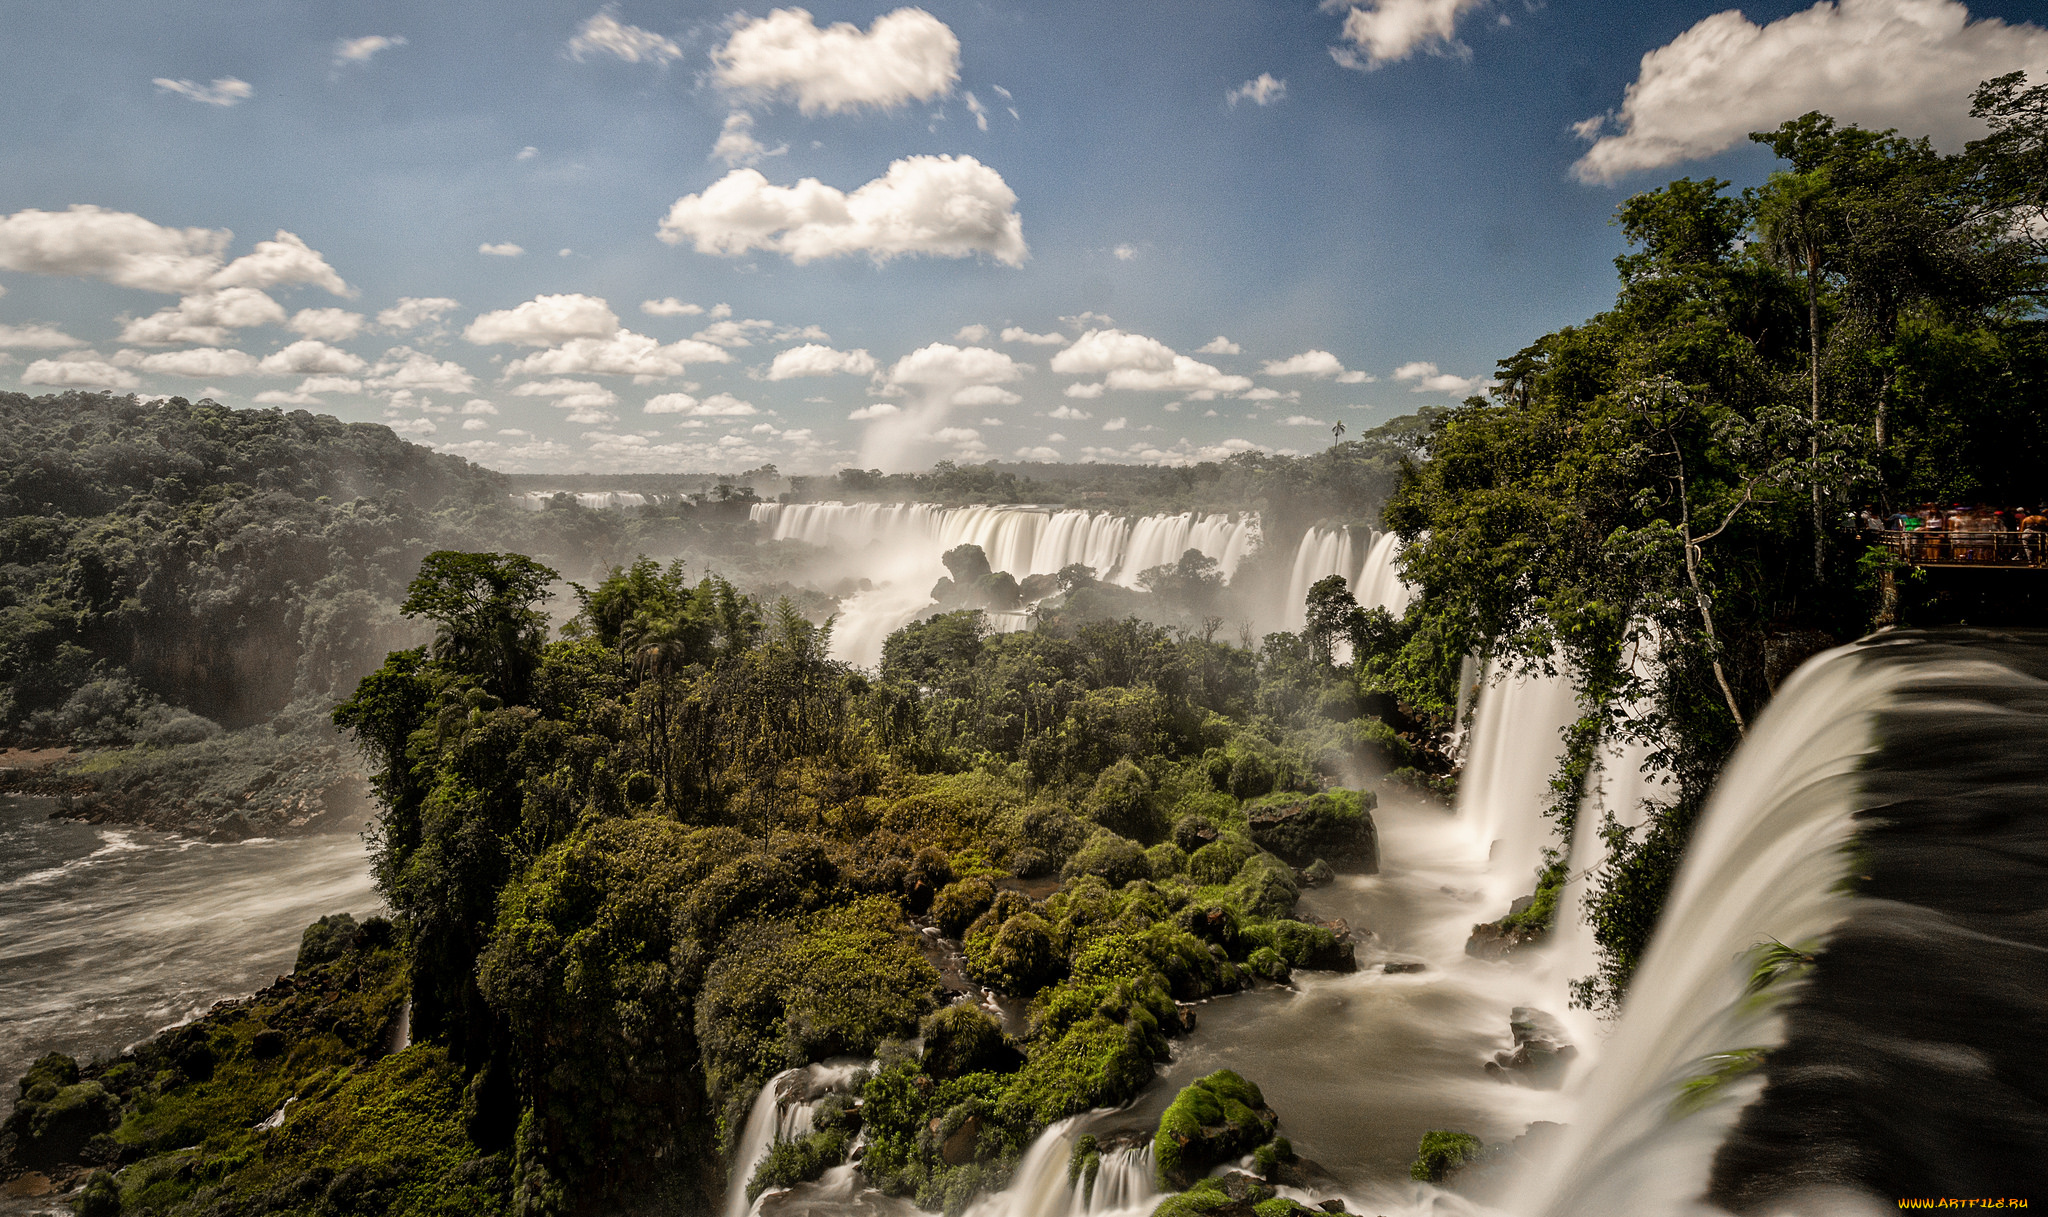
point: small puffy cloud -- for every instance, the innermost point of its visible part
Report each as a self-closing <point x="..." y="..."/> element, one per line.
<point x="474" y="424"/>
<point x="1116" y="424"/>
<point x="205" y="318"/>
<point x="1428" y="379"/>
<point x="477" y="405"/>
<point x="1125" y="253"/>
<point x="950" y="372"/>
<point x="412" y="426"/>
<point x="586" y="401"/>
<point x="942" y="206"/>
<point x="736" y="145"/>
<point x="1018" y="333"/>
<point x="282" y="260"/>
<point x="984" y="395"/>
<point x="718" y="405"/>
<point x="1040" y="453"/>
<point x="1908" y="64"/>
<point x="411" y="312"/>
<point x="117" y="247"/>
<point x="604" y="34"/>
<point x="1264" y="394"/>
<point x="503" y="249"/>
<point x="971" y="333"/>
<point x="309" y="356"/>
<point x="1085" y="390"/>
<point x="1219" y="345"/>
<point x="1263" y="90"/>
<point x="79" y="370"/>
<point x="956" y="435"/>
<point x="811" y="359"/>
<point x="1390" y="30"/>
<point x="623" y="354"/>
<point x="199" y="363"/>
<point x="907" y="55"/>
<point x="874" y="410"/>
<point x="979" y="111"/>
<point x="364" y="49"/>
<point x="1070" y="414"/>
<point x="545" y="321"/>
<point x="1302" y="420"/>
<point x="328" y="324"/>
<point x="405" y="369"/>
<point x="224" y="91"/>
<point x="1308" y="363"/>
<point x="526" y="154"/>
<point x="330" y="384"/>
<point x="1134" y="361"/>
<point x="669" y="306"/>
<point x="730" y="333"/>
<point x="35" y="337"/>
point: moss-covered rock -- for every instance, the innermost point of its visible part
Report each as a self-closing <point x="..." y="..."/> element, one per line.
<point x="1218" y="862"/>
<point x="1016" y="957"/>
<point x="1336" y="826"/>
<point x="958" y="904"/>
<point x="1166" y="859"/>
<point x="1441" y="1153"/>
<point x="799" y="1161"/>
<point x="963" y="1039"/>
<point x="1213" y="1120"/>
<point x="1115" y="859"/>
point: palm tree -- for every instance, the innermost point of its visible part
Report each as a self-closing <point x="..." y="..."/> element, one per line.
<point x="1337" y="433"/>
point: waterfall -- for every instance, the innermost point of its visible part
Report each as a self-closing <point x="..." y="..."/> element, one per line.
<point x="602" y="500"/>
<point x="783" y="1111"/>
<point x="897" y="548"/>
<point x="1371" y="570"/>
<point x="1124" y="1184"/>
<point x="1765" y="863"/>
<point x="1517" y="740"/>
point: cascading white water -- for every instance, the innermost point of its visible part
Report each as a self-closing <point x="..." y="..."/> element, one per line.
<point x="1125" y="1185"/>
<point x="1517" y="740"/>
<point x="1370" y="569"/>
<point x="898" y="548"/>
<point x="783" y="1111"/>
<point x="1764" y="865"/>
<point x="601" y="500"/>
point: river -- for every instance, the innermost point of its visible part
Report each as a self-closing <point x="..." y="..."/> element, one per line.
<point x="108" y="934"/>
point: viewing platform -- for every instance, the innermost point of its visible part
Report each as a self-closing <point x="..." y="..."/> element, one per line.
<point x="1992" y="549"/>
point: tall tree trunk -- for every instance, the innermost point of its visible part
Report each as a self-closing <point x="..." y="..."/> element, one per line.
<point x="1813" y="370"/>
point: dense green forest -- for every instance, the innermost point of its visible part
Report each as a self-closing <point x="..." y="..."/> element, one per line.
<point x="645" y="844"/>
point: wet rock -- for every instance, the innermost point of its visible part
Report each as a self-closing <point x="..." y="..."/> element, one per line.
<point x="1316" y="874"/>
<point x="1541" y="1056"/>
<point x="1335" y="826"/>
<point x="958" y="1149"/>
<point x="1395" y="967"/>
<point x="1492" y="940"/>
<point x="1332" y="1205"/>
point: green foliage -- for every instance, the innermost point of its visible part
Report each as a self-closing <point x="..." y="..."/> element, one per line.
<point x="963" y="1039"/>
<point x="1336" y="826"/>
<point x="1442" y="1152"/>
<point x="792" y="1162"/>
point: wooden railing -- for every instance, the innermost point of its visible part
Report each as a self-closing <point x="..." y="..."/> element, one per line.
<point x="1945" y="547"/>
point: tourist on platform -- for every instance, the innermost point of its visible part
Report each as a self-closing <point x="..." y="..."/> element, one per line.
<point x="2034" y="535"/>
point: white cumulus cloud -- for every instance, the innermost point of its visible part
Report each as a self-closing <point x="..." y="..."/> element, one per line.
<point x="503" y="249"/>
<point x="1085" y="390"/>
<point x="875" y="410"/>
<point x="362" y="50"/>
<point x="1017" y="333"/>
<point x="35" y="337"/>
<point x="224" y="91"/>
<point x="205" y="319"/>
<point x="1315" y="363"/>
<point x="944" y="206"/>
<point x="1219" y="345"/>
<point x="1909" y="64"/>
<point x="736" y="144"/>
<point x="970" y="333"/>
<point x="282" y="260"/>
<point x="328" y="324"/>
<point x="1390" y="30"/>
<point x="1428" y="379"/>
<point x="622" y="354"/>
<point x="545" y="321"/>
<point x="669" y="306"/>
<point x="118" y="247"/>
<point x="1134" y="361"/>
<point x="79" y="370"/>
<point x="1263" y="90"/>
<point x="812" y="359"/>
<point x="729" y="333"/>
<point x="604" y="34"/>
<point x="200" y="363"/>
<point x="1040" y="453"/>
<point x="404" y="369"/>
<point x="718" y="405"/>
<point x="1070" y="414"/>
<point x="411" y="312"/>
<point x="1302" y="420"/>
<point x="308" y="357"/>
<point x="907" y="55"/>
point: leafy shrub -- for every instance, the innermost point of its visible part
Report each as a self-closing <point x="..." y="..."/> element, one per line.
<point x="960" y="902"/>
<point x="1116" y="860"/>
<point x="1166" y="859"/>
<point x="326" y="940"/>
<point x="963" y="1039"/>
<point x="1122" y="802"/>
<point x="1219" y="861"/>
<point x="1017" y="958"/>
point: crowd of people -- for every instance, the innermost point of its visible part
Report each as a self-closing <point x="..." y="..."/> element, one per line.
<point x="1959" y="533"/>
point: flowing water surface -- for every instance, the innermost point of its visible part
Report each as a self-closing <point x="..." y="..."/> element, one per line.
<point x="108" y="933"/>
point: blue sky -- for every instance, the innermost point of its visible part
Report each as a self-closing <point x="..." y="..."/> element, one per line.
<point x="1368" y="202"/>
